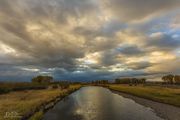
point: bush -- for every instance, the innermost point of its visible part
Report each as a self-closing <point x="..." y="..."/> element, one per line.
<point x="4" y="90"/>
<point x="64" y="86"/>
<point x="54" y="86"/>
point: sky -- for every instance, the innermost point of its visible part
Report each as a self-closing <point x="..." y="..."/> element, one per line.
<point x="83" y="40"/>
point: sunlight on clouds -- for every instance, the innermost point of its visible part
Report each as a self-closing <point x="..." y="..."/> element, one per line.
<point x="157" y="57"/>
<point x="91" y="58"/>
<point x="53" y="32"/>
<point x="38" y="31"/>
<point x="154" y="57"/>
<point x="117" y="68"/>
<point x="4" y="49"/>
<point x="135" y="59"/>
<point x="171" y="65"/>
<point x="131" y="37"/>
<point x="33" y="27"/>
<point x="84" y="21"/>
<point x="30" y="69"/>
<point x="156" y="35"/>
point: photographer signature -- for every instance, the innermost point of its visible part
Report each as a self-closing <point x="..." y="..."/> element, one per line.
<point x="12" y="114"/>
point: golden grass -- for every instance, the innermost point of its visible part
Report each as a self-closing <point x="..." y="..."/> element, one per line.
<point x="20" y="103"/>
<point x="37" y="116"/>
<point x="156" y="93"/>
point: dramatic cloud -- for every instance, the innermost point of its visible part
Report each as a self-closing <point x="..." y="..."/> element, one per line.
<point x="139" y="65"/>
<point x="138" y="10"/>
<point x="130" y="50"/>
<point x="163" y="41"/>
<point x="88" y="39"/>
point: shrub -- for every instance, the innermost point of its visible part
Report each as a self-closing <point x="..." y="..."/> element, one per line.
<point x="42" y="79"/>
<point x="54" y="86"/>
<point x="4" y="90"/>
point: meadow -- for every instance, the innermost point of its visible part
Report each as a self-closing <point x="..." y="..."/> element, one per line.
<point x="156" y="93"/>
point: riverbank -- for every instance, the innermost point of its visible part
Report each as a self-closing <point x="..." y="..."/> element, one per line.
<point x="24" y="104"/>
<point x="155" y="93"/>
<point x="146" y="97"/>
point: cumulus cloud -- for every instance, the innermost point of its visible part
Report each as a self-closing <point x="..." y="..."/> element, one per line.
<point x="87" y="39"/>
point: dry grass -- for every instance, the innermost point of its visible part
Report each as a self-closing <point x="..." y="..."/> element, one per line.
<point x="22" y="102"/>
<point x="156" y="93"/>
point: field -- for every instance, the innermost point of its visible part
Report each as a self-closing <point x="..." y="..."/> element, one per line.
<point x="16" y="104"/>
<point x="155" y="93"/>
<point x="6" y="87"/>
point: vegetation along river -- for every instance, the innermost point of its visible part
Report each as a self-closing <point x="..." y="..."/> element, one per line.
<point x="97" y="103"/>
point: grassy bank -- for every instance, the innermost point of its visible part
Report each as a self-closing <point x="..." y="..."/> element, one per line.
<point x="155" y="93"/>
<point x="6" y="87"/>
<point x="14" y="105"/>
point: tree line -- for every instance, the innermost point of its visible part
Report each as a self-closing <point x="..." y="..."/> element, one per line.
<point x="171" y="79"/>
<point x="168" y="79"/>
<point x="49" y="81"/>
<point x="100" y="82"/>
<point x="42" y="79"/>
<point x="130" y="81"/>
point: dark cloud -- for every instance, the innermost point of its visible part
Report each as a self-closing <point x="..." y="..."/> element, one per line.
<point x="90" y="75"/>
<point x="108" y="58"/>
<point x="163" y="42"/>
<point x="10" y="72"/>
<point x="130" y="50"/>
<point x="85" y="75"/>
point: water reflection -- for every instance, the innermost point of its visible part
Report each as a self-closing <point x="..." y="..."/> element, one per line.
<point x="96" y="103"/>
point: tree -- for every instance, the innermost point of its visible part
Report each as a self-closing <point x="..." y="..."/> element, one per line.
<point x="100" y="82"/>
<point x="143" y="80"/>
<point x="130" y="81"/>
<point x="164" y="78"/>
<point x="123" y="80"/>
<point x="42" y="79"/>
<point x="168" y="79"/>
<point x="177" y="79"/>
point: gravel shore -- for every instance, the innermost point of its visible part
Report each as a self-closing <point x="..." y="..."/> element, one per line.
<point x="168" y="112"/>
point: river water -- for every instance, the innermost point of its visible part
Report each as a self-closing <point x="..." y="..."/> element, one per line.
<point x="97" y="103"/>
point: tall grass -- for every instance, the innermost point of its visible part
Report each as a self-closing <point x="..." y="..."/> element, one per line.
<point x="155" y="93"/>
<point x="25" y="102"/>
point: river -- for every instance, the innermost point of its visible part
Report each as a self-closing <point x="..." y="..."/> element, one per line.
<point x="97" y="103"/>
